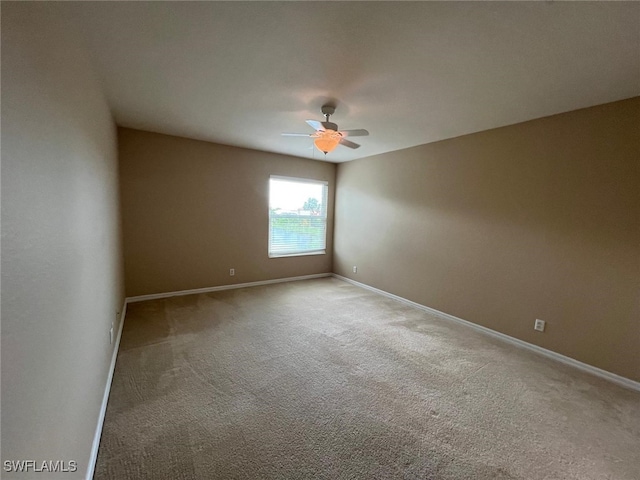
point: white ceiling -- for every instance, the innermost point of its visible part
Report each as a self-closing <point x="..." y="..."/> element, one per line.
<point x="240" y="73"/>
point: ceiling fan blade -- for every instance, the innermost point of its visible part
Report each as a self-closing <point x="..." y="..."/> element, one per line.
<point x="315" y="125"/>
<point x="348" y="143"/>
<point x="361" y="132"/>
<point x="296" y="134"/>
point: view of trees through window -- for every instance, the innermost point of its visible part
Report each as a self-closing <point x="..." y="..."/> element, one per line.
<point x="297" y="216"/>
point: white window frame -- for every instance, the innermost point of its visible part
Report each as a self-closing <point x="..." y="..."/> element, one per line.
<point x="325" y="196"/>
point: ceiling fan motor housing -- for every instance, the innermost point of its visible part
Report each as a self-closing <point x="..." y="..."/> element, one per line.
<point x="328" y="109"/>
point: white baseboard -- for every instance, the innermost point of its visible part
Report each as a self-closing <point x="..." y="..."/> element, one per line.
<point x="105" y="399"/>
<point x="612" y="377"/>
<point x="154" y="296"/>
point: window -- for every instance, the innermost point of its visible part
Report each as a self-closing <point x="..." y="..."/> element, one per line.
<point x="297" y="216"/>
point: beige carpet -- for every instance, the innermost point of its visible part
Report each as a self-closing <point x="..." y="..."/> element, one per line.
<point x="324" y="380"/>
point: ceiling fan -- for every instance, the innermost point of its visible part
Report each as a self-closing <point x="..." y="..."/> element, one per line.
<point x="327" y="136"/>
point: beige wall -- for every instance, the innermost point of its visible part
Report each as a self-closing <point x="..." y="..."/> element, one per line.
<point x="62" y="281"/>
<point x="192" y="210"/>
<point x="535" y="220"/>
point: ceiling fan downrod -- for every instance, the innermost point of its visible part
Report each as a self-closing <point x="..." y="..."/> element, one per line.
<point x="327" y="111"/>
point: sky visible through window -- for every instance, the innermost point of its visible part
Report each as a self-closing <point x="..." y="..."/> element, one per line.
<point x="290" y="196"/>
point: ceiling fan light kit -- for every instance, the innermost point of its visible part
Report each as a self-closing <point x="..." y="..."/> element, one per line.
<point x="327" y="136"/>
<point x="327" y="141"/>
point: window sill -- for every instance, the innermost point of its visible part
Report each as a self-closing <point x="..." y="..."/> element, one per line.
<point x="323" y="252"/>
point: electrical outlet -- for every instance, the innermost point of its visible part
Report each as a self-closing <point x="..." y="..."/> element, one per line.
<point x="539" y="325"/>
<point x="232" y="272"/>
<point x="111" y="335"/>
<point x="355" y="269"/>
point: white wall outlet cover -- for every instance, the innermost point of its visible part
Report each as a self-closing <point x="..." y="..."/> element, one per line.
<point x="232" y="272"/>
<point x="539" y="325"/>
<point x="355" y="269"/>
